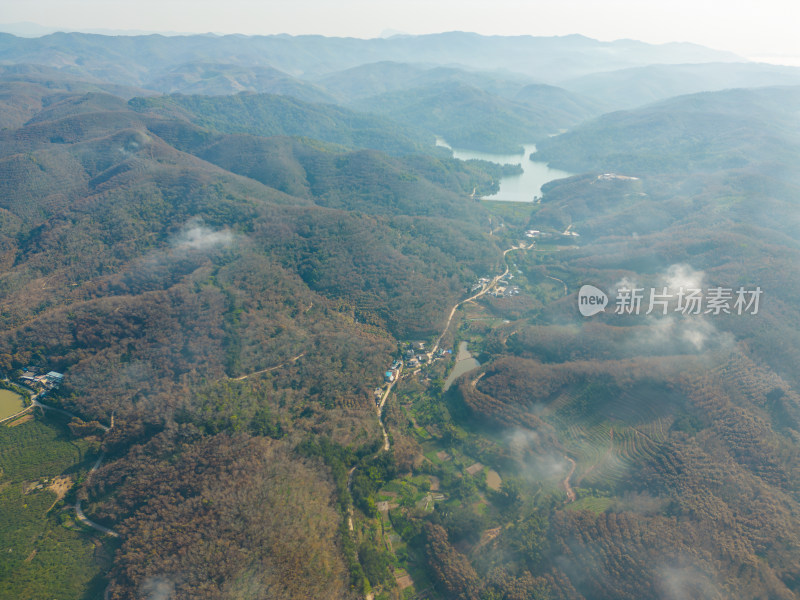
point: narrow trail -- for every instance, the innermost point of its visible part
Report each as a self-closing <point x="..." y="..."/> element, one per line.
<point x="79" y="512"/>
<point x="350" y="510"/>
<point x="567" y="486"/>
<point x="476" y="380"/>
<point x="561" y="281"/>
<point x="37" y="404"/>
<point x="385" y="448"/>
<point x="268" y="369"/>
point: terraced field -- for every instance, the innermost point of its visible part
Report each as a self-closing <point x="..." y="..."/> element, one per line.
<point x="606" y="434"/>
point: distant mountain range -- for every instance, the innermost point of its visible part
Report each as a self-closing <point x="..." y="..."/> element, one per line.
<point x="478" y="92"/>
<point x="627" y="88"/>
<point x="138" y="59"/>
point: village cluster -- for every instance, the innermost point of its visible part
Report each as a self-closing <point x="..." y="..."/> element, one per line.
<point x="502" y="289"/>
<point x="535" y="233"/>
<point x="415" y="355"/>
<point x="41" y="381"/>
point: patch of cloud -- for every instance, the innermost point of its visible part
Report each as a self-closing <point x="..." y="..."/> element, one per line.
<point x="671" y="335"/>
<point x="196" y="236"/>
<point x="536" y="462"/>
<point x="661" y="330"/>
<point x="675" y="332"/>
<point x="157" y="588"/>
<point x="186" y="250"/>
<point x="699" y="332"/>
<point x="683" y="276"/>
<point x="626" y="283"/>
<point x="686" y="582"/>
<point x="521" y="440"/>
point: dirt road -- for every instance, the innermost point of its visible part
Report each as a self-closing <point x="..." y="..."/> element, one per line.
<point x="567" y="486"/>
<point x="268" y="369"/>
<point x="485" y="290"/>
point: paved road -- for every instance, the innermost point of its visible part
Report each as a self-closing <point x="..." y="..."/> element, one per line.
<point x="486" y="289"/>
<point x="79" y="512"/>
<point x="386" y="445"/>
<point x="35" y="402"/>
<point x="86" y="521"/>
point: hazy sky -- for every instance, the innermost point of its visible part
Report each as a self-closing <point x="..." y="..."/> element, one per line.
<point x="767" y="28"/>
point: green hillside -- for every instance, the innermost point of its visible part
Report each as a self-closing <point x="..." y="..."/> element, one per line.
<point x="303" y="358"/>
<point x="697" y="133"/>
<point x="214" y="79"/>
<point x="467" y="117"/>
<point x="270" y="115"/>
<point x="374" y="79"/>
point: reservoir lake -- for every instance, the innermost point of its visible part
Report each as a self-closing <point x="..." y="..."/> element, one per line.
<point x="464" y="364"/>
<point x="516" y="188"/>
<point x="10" y="403"/>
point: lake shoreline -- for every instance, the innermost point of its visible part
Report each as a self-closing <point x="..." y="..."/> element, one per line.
<point x="524" y="187"/>
<point x="465" y="363"/>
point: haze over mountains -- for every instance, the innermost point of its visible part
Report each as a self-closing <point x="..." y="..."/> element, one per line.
<point x="510" y="90"/>
<point x="228" y="245"/>
<point x="139" y="58"/>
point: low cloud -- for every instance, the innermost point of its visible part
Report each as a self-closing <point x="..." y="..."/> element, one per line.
<point x="626" y="283"/>
<point x="184" y="251"/>
<point x="678" y="583"/>
<point x="157" y="588"/>
<point x="674" y="332"/>
<point x="196" y="236"/>
<point x="677" y="335"/>
<point x="700" y="333"/>
<point x="683" y="276"/>
<point x="537" y="460"/>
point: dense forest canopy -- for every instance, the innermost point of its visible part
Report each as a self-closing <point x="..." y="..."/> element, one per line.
<point x="302" y="358"/>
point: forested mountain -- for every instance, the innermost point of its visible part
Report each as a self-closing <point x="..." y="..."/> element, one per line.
<point x="215" y="79"/>
<point x="703" y="132"/>
<point x="270" y="115"/>
<point x="158" y="280"/>
<point x="474" y="119"/>
<point x="374" y="79"/>
<point x="485" y="93"/>
<point x="661" y="424"/>
<point x="628" y="88"/>
<point x="463" y="115"/>
<point x="567" y="107"/>
<point x="255" y="299"/>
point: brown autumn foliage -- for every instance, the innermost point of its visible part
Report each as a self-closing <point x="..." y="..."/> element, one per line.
<point x="221" y="517"/>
